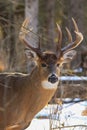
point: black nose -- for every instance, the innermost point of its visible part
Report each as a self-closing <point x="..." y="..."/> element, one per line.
<point x="53" y="78"/>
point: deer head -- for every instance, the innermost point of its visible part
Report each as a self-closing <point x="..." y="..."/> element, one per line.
<point x="49" y="63"/>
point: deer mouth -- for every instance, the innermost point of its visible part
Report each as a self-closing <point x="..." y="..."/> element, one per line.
<point x="49" y="85"/>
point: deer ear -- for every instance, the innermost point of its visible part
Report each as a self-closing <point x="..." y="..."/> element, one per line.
<point x="30" y="54"/>
<point x="68" y="56"/>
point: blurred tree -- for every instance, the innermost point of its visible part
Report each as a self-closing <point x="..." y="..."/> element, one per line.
<point x="31" y="12"/>
<point x="10" y="15"/>
<point x="50" y="23"/>
<point x="11" y="31"/>
<point x="47" y="22"/>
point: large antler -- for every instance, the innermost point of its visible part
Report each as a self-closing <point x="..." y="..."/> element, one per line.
<point x="24" y="31"/>
<point x="74" y="44"/>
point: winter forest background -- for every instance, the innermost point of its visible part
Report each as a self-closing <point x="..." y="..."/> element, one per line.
<point x="43" y="16"/>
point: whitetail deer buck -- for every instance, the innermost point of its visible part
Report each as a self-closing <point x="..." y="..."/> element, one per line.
<point x="24" y="95"/>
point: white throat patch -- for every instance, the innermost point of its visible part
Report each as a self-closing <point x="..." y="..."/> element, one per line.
<point x="48" y="85"/>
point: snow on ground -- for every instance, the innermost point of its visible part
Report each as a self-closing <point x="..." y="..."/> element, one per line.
<point x="73" y="78"/>
<point x="70" y="115"/>
<point x="39" y="124"/>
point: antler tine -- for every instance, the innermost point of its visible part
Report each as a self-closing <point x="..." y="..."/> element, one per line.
<point x="69" y="35"/>
<point x="79" y="38"/>
<point x="75" y="25"/>
<point x="59" y="38"/>
<point x="22" y="35"/>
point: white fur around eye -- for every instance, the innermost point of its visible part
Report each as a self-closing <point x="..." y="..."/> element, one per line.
<point x="48" y="85"/>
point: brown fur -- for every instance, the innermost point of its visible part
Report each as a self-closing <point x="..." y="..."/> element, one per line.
<point x="22" y="95"/>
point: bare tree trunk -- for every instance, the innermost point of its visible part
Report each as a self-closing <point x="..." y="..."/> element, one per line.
<point x="47" y="22"/>
<point x="12" y="52"/>
<point x="31" y="12"/>
<point x="50" y="22"/>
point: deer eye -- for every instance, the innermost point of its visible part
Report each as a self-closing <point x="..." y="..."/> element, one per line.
<point x="44" y="65"/>
<point x="58" y="64"/>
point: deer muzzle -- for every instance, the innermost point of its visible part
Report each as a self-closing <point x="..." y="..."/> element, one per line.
<point x="52" y="78"/>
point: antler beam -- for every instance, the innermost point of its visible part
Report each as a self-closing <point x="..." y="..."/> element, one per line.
<point x="24" y="31"/>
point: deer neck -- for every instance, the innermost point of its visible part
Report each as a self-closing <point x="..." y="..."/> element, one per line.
<point x="35" y="75"/>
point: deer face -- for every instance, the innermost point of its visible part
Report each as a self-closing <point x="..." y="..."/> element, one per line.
<point x="49" y="67"/>
<point x="48" y="70"/>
